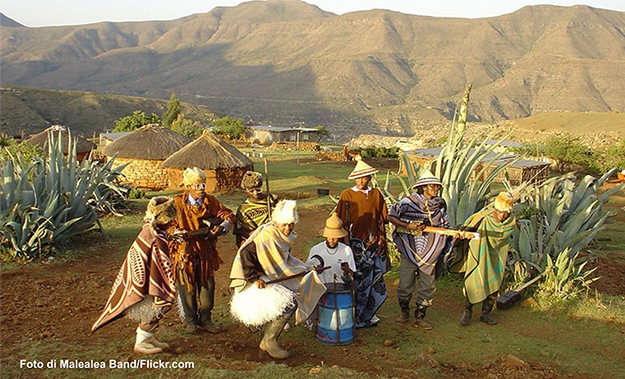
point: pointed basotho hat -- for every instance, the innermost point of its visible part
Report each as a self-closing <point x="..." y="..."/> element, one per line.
<point x="362" y="169"/>
<point x="427" y="178"/>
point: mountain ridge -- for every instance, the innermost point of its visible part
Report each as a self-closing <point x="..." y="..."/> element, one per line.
<point x="373" y="71"/>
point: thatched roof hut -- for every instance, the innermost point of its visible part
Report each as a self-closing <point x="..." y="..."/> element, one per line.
<point x="223" y="164"/>
<point x="144" y="150"/>
<point x="83" y="146"/>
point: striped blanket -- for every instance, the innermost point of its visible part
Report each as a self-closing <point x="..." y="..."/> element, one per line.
<point x="424" y="250"/>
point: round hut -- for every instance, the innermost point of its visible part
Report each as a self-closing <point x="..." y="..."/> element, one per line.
<point x="144" y="150"/>
<point x="223" y="164"/>
<point x="83" y="146"/>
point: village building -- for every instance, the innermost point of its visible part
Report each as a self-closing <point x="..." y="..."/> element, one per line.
<point x="144" y="150"/>
<point x="269" y="134"/>
<point x="108" y="137"/>
<point x="83" y="145"/>
<point x="223" y="164"/>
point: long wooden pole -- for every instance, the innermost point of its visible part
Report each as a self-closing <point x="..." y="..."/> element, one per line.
<point x="267" y="189"/>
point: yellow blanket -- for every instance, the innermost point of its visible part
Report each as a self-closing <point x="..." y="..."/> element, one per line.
<point x="274" y="255"/>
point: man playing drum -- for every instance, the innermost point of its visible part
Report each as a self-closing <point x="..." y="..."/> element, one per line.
<point x="333" y="253"/>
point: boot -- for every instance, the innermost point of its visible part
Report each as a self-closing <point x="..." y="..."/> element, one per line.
<point x="269" y="342"/>
<point x="191" y="328"/>
<point x="419" y="316"/>
<point x="143" y="345"/>
<point x="157" y="343"/>
<point x="487" y="307"/>
<point x="404" y="306"/>
<point x="468" y="312"/>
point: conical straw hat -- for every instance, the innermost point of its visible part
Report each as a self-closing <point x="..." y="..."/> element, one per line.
<point x="427" y="178"/>
<point x="362" y="169"/>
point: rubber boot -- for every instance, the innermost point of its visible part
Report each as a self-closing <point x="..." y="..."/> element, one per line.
<point x="468" y="312"/>
<point x="419" y="316"/>
<point x="487" y="307"/>
<point x="269" y="342"/>
<point x="404" y="306"/>
<point x="143" y="345"/>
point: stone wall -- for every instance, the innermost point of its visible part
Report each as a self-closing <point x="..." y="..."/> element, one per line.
<point x="142" y="173"/>
<point x="303" y="146"/>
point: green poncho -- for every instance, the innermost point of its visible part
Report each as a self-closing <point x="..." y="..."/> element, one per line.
<point x="483" y="260"/>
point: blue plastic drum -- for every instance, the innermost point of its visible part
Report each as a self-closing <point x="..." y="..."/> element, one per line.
<point x="335" y="325"/>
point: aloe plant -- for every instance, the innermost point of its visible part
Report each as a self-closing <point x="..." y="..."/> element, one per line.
<point x="45" y="202"/>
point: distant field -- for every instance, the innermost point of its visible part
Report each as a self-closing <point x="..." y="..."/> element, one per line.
<point x="575" y="122"/>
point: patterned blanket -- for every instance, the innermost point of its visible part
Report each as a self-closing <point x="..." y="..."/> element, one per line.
<point x="146" y="271"/>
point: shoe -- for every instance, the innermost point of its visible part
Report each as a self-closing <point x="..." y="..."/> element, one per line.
<point x="488" y="319"/>
<point x="375" y="319"/>
<point x="421" y="323"/>
<point x="209" y="327"/>
<point x="403" y="318"/>
<point x="191" y="328"/>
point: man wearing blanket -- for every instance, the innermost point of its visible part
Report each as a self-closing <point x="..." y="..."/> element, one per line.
<point x="269" y="283"/>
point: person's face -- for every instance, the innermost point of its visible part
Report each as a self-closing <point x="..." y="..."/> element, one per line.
<point x="197" y="190"/>
<point x="500" y="216"/>
<point x="255" y="193"/>
<point x="363" y="183"/>
<point x="285" y="229"/>
<point x="332" y="242"/>
<point x="431" y="190"/>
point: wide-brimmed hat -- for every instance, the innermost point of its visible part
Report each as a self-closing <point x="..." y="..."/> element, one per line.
<point x="504" y="202"/>
<point x="427" y="178"/>
<point x="285" y="212"/>
<point x="192" y="176"/>
<point x="334" y="227"/>
<point x="362" y="169"/>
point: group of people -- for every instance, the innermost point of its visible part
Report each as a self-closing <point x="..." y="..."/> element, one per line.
<point x="174" y="258"/>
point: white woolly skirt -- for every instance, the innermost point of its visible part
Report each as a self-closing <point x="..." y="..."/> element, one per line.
<point x="256" y="307"/>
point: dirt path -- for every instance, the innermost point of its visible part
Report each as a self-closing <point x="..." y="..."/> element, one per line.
<point x="55" y="305"/>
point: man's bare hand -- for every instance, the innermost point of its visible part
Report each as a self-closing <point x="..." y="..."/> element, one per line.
<point x="260" y="283"/>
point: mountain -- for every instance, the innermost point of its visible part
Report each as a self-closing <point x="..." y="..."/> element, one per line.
<point x="286" y="61"/>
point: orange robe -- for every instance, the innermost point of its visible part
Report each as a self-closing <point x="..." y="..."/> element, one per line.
<point x="366" y="215"/>
<point x="197" y="250"/>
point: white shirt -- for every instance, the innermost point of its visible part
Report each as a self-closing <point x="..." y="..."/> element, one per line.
<point x="321" y="254"/>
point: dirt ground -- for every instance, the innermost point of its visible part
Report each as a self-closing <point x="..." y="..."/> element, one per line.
<point x="70" y="296"/>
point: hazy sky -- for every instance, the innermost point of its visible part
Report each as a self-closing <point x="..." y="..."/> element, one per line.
<point x="73" y="12"/>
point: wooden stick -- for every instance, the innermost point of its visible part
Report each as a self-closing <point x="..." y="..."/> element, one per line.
<point x="433" y="229"/>
<point x="296" y="275"/>
<point x="267" y="189"/>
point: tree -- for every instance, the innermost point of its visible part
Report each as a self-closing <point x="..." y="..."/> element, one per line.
<point x="233" y="128"/>
<point x="186" y="127"/>
<point x="568" y="150"/>
<point x="137" y="120"/>
<point x="322" y="131"/>
<point x="172" y="111"/>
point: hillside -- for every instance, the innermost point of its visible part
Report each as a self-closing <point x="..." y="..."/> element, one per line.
<point x="282" y="61"/>
<point x="30" y="110"/>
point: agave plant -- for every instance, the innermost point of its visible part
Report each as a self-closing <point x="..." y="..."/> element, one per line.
<point x="562" y="215"/>
<point x="56" y="197"/>
<point x="565" y="279"/>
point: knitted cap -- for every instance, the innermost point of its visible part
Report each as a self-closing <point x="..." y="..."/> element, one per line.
<point x="362" y="169"/>
<point x="427" y="178"/>
<point x="503" y="202"/>
<point x="334" y="227"/>
<point x="285" y="212"/>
